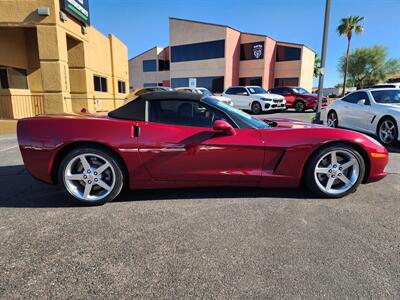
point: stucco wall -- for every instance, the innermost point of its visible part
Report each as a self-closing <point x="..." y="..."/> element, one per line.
<point x="136" y="75"/>
<point x="232" y="57"/>
<point x="185" y="32"/>
<point x="307" y="68"/>
<point x="52" y="69"/>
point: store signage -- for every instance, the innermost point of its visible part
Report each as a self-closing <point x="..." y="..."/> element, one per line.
<point x="78" y="8"/>
<point x="192" y="82"/>
<point x="258" y="49"/>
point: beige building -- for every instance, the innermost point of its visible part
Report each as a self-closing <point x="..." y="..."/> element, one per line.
<point x="53" y="61"/>
<point x="218" y="56"/>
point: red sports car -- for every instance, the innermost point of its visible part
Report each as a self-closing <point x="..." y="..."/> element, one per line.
<point x="171" y="140"/>
<point x="298" y="98"/>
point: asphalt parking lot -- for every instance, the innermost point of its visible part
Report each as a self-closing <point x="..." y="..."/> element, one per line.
<point x="203" y="243"/>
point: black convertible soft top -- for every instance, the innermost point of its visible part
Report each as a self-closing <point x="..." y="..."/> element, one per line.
<point x="136" y="109"/>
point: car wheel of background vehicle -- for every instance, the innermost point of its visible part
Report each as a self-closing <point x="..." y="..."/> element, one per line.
<point x="332" y="119"/>
<point x="334" y="171"/>
<point x="91" y="176"/>
<point x="387" y="131"/>
<point x="299" y="106"/>
<point x="256" y="108"/>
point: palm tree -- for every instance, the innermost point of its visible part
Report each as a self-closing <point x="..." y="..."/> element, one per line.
<point x="346" y="28"/>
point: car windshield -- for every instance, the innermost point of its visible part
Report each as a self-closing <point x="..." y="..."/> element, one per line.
<point x="204" y="92"/>
<point x="387" y="96"/>
<point x="256" y="90"/>
<point x="300" y="91"/>
<point x="246" y="118"/>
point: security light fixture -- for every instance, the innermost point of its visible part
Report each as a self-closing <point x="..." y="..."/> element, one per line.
<point x="63" y="16"/>
<point x="43" y="11"/>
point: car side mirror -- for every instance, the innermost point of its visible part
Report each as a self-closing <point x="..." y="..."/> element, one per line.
<point x="361" y="102"/>
<point x="223" y="126"/>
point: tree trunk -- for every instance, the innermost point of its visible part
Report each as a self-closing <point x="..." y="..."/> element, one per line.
<point x="346" y="66"/>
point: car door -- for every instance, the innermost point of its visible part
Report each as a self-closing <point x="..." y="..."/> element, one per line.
<point x="239" y="96"/>
<point x="353" y="113"/>
<point x="363" y="119"/>
<point x="290" y="96"/>
<point x="179" y="144"/>
<point x="243" y="98"/>
<point x="345" y="109"/>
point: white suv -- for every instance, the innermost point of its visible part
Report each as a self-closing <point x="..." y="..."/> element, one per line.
<point x="204" y="91"/>
<point x="255" y="99"/>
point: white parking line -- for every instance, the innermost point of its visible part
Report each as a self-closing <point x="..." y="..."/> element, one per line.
<point x="9" y="148"/>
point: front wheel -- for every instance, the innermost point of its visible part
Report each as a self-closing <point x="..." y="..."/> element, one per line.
<point x="300" y="106"/>
<point x="256" y="108"/>
<point x="332" y="120"/>
<point x="335" y="171"/>
<point x="91" y="176"/>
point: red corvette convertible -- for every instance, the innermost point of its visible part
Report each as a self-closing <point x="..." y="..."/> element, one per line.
<point x="171" y="140"/>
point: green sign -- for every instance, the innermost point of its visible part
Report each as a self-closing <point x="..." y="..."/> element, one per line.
<point x="78" y="8"/>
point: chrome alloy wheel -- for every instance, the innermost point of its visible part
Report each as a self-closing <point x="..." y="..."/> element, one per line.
<point x="387" y="131"/>
<point x="332" y="120"/>
<point x="337" y="172"/>
<point x="89" y="177"/>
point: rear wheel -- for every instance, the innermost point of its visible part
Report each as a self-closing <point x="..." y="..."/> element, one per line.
<point x="300" y="106"/>
<point x="256" y="108"/>
<point x="388" y="131"/>
<point x="91" y="176"/>
<point x="335" y="171"/>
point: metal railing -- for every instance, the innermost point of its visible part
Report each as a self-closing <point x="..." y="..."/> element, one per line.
<point x="21" y="106"/>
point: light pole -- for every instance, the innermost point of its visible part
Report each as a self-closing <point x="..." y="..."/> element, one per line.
<point x="317" y="119"/>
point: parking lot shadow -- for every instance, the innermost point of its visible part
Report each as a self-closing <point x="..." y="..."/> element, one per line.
<point x="19" y="189"/>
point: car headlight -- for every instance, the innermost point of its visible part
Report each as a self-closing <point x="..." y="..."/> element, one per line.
<point x="265" y="99"/>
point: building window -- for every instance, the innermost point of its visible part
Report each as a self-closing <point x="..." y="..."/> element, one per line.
<point x="150" y="65"/>
<point x="198" y="51"/>
<point x="12" y="78"/>
<point x="214" y="84"/>
<point x="252" y="51"/>
<point x="163" y="65"/>
<point x="284" y="53"/>
<point x="287" y="81"/>
<point x="121" y="87"/>
<point x="250" y="81"/>
<point x="100" y="83"/>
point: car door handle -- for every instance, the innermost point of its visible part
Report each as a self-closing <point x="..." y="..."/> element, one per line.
<point x="135" y="131"/>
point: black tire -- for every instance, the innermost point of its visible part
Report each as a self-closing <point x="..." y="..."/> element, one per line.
<point x="299" y="106"/>
<point x="256" y="108"/>
<point x="115" y="164"/>
<point x="332" y="115"/>
<point x="310" y="179"/>
<point x="395" y="134"/>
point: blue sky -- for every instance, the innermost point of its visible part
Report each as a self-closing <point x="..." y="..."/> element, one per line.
<point x="142" y="24"/>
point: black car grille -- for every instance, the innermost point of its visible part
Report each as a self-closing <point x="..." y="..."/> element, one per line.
<point x="277" y="100"/>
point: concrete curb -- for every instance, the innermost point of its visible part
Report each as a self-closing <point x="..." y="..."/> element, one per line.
<point x="8" y="126"/>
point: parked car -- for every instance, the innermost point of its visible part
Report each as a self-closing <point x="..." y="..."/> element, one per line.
<point x="375" y="111"/>
<point x="393" y="85"/>
<point x="254" y="99"/>
<point x="204" y="91"/>
<point x="299" y="98"/>
<point x="139" y="91"/>
<point x="172" y="140"/>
